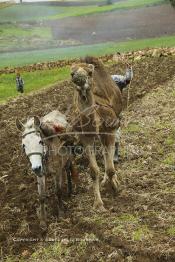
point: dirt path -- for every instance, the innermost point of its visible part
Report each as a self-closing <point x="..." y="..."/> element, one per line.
<point x="141" y="218"/>
<point x="117" y="26"/>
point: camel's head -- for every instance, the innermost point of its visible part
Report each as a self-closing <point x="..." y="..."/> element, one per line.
<point x="82" y="77"/>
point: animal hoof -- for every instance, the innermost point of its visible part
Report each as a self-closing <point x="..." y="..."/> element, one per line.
<point x="115" y="183"/>
<point x="103" y="182"/>
<point x="61" y="213"/>
<point x="99" y="208"/>
<point x="116" y="160"/>
<point x="43" y="225"/>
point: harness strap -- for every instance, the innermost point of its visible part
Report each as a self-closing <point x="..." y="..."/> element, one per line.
<point x="35" y="153"/>
<point x="31" y="132"/>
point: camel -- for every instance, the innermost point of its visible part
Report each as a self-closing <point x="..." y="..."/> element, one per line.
<point x="97" y="105"/>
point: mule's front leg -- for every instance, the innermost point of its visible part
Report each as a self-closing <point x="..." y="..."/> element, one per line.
<point x="42" y="199"/>
<point x="98" y="203"/>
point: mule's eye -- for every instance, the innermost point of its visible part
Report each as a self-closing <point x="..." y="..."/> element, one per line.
<point x="90" y="73"/>
<point x="72" y="74"/>
<point x="23" y="146"/>
<point x="41" y="142"/>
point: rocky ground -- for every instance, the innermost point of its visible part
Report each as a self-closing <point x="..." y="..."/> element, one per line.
<point x="140" y="222"/>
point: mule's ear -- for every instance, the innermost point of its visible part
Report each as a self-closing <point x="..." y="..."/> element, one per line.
<point x="19" y="125"/>
<point x="37" y="122"/>
<point x="91" y="68"/>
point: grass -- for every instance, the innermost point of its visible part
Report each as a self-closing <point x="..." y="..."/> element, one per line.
<point x="39" y="12"/>
<point x="17" y="31"/>
<point x="141" y="234"/>
<point x="28" y="12"/>
<point x="51" y="253"/>
<point x="169" y="159"/>
<point x="33" y="81"/>
<point x="80" y="11"/>
<point x="171" y="231"/>
<point x="133" y="128"/>
<point x="29" y="57"/>
<point x="15" y="37"/>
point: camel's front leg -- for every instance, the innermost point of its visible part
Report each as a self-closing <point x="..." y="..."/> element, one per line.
<point x="108" y="142"/>
<point x="98" y="203"/>
<point x="42" y="199"/>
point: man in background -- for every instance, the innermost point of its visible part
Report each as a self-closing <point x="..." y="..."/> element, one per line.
<point x="19" y="83"/>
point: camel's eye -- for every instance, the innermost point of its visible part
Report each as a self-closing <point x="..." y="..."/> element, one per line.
<point x="41" y="142"/>
<point x="23" y="147"/>
<point x="90" y="73"/>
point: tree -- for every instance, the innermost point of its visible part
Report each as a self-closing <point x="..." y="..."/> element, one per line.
<point x="172" y="2"/>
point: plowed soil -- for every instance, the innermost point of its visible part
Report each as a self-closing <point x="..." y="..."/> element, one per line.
<point x="123" y="25"/>
<point x="140" y="222"/>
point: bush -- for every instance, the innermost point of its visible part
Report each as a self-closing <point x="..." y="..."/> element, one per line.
<point x="172" y="2"/>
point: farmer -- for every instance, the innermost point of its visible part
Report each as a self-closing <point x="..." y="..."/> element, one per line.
<point x="121" y="81"/>
<point x="19" y="83"/>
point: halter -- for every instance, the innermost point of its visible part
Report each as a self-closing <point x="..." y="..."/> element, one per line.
<point x="31" y="132"/>
<point x="33" y="153"/>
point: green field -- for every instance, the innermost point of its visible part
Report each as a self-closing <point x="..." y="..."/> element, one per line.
<point x="30" y="57"/>
<point x="42" y="79"/>
<point x="33" y="81"/>
<point x="39" y="12"/>
<point x="19" y="37"/>
<point x="79" y="11"/>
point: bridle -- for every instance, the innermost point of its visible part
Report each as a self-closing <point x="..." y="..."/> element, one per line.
<point x="33" y="153"/>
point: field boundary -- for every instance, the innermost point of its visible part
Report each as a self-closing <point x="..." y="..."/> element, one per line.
<point x="134" y="55"/>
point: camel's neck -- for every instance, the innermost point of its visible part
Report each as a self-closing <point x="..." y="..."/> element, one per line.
<point x="86" y="102"/>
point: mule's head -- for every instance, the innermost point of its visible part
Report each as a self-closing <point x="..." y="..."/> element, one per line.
<point x="82" y="77"/>
<point x="32" y="143"/>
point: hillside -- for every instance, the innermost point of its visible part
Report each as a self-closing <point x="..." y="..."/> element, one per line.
<point x="140" y="224"/>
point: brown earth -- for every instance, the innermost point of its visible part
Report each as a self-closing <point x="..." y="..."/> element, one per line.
<point x="122" y="25"/>
<point x="140" y="224"/>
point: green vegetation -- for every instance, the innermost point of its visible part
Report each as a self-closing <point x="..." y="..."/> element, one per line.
<point x="133" y="128"/>
<point x="171" y="231"/>
<point x="40" y="12"/>
<point x="15" y="37"/>
<point x="52" y="252"/>
<point x="21" y="31"/>
<point x="28" y="12"/>
<point x="79" y="11"/>
<point x="33" y="81"/>
<point x="141" y="233"/>
<point x="172" y="2"/>
<point x="30" y="57"/>
<point x="170" y="159"/>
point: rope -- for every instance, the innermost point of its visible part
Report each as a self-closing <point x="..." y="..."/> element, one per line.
<point x="128" y="95"/>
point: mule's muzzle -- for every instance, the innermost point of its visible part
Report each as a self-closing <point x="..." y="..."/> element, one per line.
<point x="37" y="170"/>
